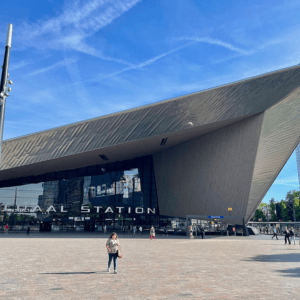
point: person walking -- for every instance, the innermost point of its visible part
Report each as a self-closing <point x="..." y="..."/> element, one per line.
<point x="152" y="233"/>
<point x="28" y="230"/>
<point x="286" y="235"/>
<point x="201" y="232"/>
<point x="6" y="229"/>
<point x="141" y="230"/>
<point x="275" y="233"/>
<point x="113" y="247"/>
<point x="292" y="235"/>
<point x="267" y="230"/>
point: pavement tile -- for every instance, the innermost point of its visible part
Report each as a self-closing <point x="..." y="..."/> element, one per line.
<point x="74" y="266"/>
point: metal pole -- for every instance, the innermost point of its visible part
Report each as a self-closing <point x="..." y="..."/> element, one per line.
<point x="4" y="76"/>
<point x="15" y="204"/>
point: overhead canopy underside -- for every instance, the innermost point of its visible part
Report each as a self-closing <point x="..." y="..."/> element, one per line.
<point x="140" y="131"/>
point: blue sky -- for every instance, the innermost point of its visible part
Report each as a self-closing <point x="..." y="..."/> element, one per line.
<point x="75" y="60"/>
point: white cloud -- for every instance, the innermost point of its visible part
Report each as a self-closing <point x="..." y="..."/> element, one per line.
<point x="19" y="65"/>
<point x="54" y="66"/>
<point x="289" y="181"/>
<point x="133" y="67"/>
<point x="218" y="43"/>
<point x="79" y="20"/>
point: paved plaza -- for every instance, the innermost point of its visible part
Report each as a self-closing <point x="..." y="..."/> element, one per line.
<point x="73" y="266"/>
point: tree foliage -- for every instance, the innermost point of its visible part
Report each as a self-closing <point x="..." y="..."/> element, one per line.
<point x="283" y="211"/>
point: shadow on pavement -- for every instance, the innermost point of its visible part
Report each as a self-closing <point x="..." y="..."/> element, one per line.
<point x="290" y="272"/>
<point x="68" y="273"/>
<point x="290" y="257"/>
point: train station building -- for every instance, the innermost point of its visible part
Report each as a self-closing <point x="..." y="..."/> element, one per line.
<point x="200" y="154"/>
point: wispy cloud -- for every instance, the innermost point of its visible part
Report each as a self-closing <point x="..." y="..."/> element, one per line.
<point x="134" y="67"/>
<point x="19" y="65"/>
<point x="52" y="67"/>
<point x="289" y="181"/>
<point x="79" y="20"/>
<point x="216" y="42"/>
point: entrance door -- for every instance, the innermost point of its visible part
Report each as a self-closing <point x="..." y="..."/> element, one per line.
<point x="45" y="226"/>
<point x="89" y="226"/>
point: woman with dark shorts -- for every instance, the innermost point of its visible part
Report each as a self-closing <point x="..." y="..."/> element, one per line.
<point x="113" y="246"/>
<point x="286" y="235"/>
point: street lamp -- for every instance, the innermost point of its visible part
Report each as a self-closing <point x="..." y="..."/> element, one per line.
<point x="3" y="89"/>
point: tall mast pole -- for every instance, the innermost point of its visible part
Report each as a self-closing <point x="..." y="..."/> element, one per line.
<point x="4" y="75"/>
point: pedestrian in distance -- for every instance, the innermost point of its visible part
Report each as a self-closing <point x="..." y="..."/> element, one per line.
<point x="201" y="232"/>
<point x="128" y="229"/>
<point x="113" y="249"/>
<point x="133" y="231"/>
<point x="275" y="233"/>
<point x="104" y="229"/>
<point x="6" y="229"/>
<point x="28" y="230"/>
<point x="286" y="236"/>
<point x="141" y="230"/>
<point x="259" y="229"/>
<point x="191" y="232"/>
<point x="292" y="235"/>
<point x="165" y="231"/>
<point x="152" y="233"/>
<point x="233" y="230"/>
<point x="267" y="230"/>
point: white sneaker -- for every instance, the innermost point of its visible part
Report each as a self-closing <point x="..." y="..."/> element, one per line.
<point x="108" y="270"/>
<point x="115" y="272"/>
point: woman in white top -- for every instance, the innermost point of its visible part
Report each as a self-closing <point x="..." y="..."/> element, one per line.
<point x="152" y="233"/>
<point x="112" y="246"/>
<point x="275" y="233"/>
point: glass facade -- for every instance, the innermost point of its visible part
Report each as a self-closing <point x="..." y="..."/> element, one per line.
<point x="117" y="195"/>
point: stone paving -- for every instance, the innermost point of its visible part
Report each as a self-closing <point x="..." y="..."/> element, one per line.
<point x="73" y="266"/>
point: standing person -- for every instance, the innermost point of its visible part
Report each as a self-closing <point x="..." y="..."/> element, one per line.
<point x="286" y="235"/>
<point x="28" y="230"/>
<point x="267" y="229"/>
<point x="141" y="230"/>
<point x="6" y="229"/>
<point x="113" y="246"/>
<point x="165" y="230"/>
<point x="124" y="229"/>
<point x="292" y="235"/>
<point x="128" y="229"/>
<point x="201" y="232"/>
<point x="104" y="229"/>
<point x="152" y="233"/>
<point x="259" y="229"/>
<point x="133" y="231"/>
<point x="191" y="232"/>
<point x="275" y="233"/>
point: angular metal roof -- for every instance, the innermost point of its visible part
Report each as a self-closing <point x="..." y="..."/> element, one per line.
<point x="139" y="131"/>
